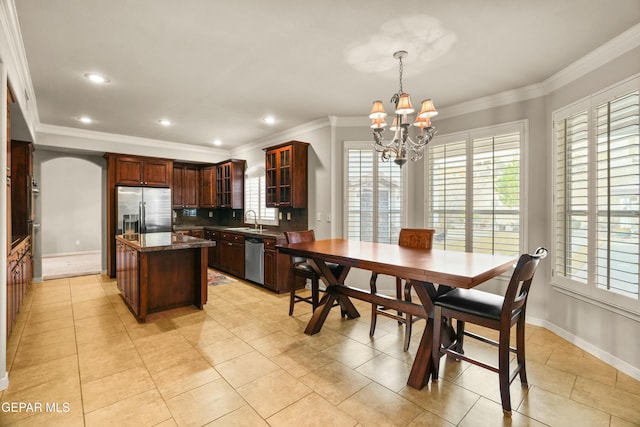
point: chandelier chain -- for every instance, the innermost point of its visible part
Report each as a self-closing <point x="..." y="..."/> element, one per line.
<point x="400" y="74"/>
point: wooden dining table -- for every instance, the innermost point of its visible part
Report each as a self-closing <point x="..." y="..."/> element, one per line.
<point x="423" y="267"/>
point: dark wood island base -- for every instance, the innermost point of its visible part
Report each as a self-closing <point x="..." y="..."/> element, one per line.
<point x="161" y="271"/>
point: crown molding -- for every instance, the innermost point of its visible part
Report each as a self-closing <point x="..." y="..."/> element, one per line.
<point x="612" y="49"/>
<point x="285" y="135"/>
<point x="132" y="142"/>
<point x="13" y="55"/>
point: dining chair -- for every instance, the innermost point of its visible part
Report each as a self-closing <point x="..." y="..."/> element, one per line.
<point x="492" y="311"/>
<point x="409" y="238"/>
<point x="302" y="269"/>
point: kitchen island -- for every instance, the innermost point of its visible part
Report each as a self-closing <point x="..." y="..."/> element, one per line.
<point x="161" y="271"/>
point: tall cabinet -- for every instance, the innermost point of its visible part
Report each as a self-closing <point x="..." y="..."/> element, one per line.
<point x="135" y="171"/>
<point x="230" y="184"/>
<point x="19" y="208"/>
<point x="286" y="175"/>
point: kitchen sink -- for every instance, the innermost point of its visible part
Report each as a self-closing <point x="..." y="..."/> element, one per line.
<point x="239" y="228"/>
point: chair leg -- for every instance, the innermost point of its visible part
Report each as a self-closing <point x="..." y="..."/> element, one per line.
<point x="503" y="367"/>
<point x="399" y="295"/>
<point x="408" y="317"/>
<point x="315" y="291"/>
<point x="292" y="297"/>
<point x="435" y="346"/>
<point x="520" y="351"/>
<point x="374" y="307"/>
<point x="459" y="336"/>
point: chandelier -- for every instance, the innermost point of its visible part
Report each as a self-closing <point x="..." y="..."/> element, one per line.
<point x="402" y="145"/>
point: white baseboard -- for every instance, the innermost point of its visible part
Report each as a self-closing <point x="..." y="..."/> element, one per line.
<point x="606" y="357"/>
<point x="4" y="381"/>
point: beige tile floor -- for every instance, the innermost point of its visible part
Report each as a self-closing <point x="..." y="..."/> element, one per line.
<point x="244" y="362"/>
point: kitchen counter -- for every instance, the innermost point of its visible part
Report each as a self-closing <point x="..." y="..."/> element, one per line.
<point x="161" y="271"/>
<point x="247" y="231"/>
<point x="150" y="242"/>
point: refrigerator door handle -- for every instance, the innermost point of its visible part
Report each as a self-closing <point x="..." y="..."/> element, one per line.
<point x="143" y="226"/>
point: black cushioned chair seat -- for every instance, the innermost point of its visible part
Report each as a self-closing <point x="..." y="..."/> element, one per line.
<point x="471" y="301"/>
<point x="336" y="269"/>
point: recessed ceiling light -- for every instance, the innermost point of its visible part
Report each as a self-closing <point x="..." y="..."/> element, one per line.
<point x="269" y="120"/>
<point x="217" y="142"/>
<point x="84" y="119"/>
<point x="164" y="122"/>
<point x="96" y="78"/>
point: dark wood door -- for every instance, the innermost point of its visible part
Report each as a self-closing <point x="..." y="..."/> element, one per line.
<point x="190" y="187"/>
<point x="157" y="172"/>
<point x="208" y="187"/>
<point x="177" y="199"/>
<point x="213" y="253"/>
<point x="129" y="170"/>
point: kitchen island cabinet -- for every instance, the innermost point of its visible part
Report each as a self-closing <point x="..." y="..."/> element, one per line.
<point x="161" y="271"/>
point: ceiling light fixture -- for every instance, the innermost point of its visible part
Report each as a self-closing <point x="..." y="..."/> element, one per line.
<point x="96" y="78"/>
<point x="164" y="122"/>
<point x="217" y="142"/>
<point x="402" y="145"/>
<point x="85" y="119"/>
<point x="269" y="120"/>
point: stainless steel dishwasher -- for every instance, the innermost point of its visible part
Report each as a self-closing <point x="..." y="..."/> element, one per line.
<point x="254" y="259"/>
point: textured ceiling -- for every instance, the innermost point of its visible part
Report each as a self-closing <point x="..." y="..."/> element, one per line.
<point x="215" y="69"/>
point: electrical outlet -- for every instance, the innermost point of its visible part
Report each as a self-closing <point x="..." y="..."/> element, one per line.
<point x="328" y="217"/>
<point x="210" y="214"/>
<point x="234" y="214"/>
<point x="288" y="216"/>
<point x="279" y="215"/>
<point x="319" y="216"/>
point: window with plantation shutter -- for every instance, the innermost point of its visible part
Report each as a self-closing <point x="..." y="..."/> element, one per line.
<point x="374" y="193"/>
<point x="447" y="166"/>
<point x="597" y="196"/>
<point x="254" y="198"/>
<point x="473" y="191"/>
<point x="571" y="197"/>
<point x="618" y="190"/>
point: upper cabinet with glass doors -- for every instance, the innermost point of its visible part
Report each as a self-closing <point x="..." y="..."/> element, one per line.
<point x="286" y="175"/>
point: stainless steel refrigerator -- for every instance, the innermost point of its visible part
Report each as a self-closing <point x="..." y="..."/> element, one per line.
<point x="143" y="210"/>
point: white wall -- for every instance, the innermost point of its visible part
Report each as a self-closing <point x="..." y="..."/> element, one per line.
<point x="70" y="206"/>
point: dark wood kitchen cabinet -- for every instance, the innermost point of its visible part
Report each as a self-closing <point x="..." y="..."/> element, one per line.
<point x="214" y="251"/>
<point x="208" y="187"/>
<point x="144" y="171"/>
<point x="127" y="275"/>
<point x="286" y="175"/>
<point x="19" y="276"/>
<point x="278" y="275"/>
<point x="185" y="188"/>
<point x="231" y="253"/>
<point x="21" y="188"/>
<point x="230" y="184"/>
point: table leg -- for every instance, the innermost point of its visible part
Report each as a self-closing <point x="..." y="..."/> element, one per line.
<point x="423" y="364"/>
<point x="326" y="303"/>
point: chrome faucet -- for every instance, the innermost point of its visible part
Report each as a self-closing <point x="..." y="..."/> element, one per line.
<point x="255" y="217"/>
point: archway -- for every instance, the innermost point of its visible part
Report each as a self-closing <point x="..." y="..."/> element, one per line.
<point x="70" y="216"/>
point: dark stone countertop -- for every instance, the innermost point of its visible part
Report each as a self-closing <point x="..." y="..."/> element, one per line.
<point x="149" y="242"/>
